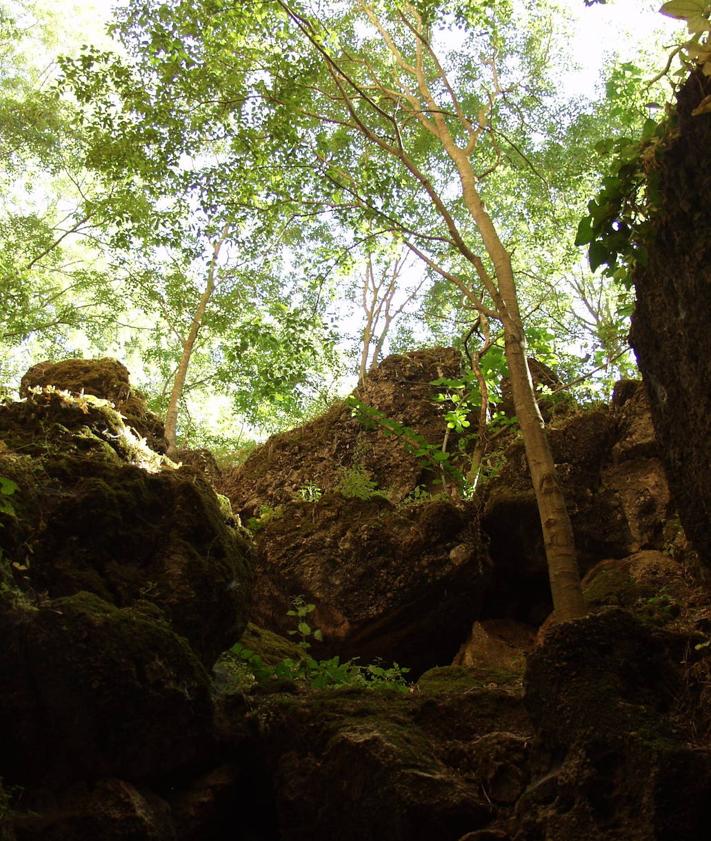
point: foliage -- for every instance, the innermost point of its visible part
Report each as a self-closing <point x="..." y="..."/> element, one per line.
<point x="320" y="674"/>
<point x="417" y="445"/>
<point x="310" y="492"/>
<point x="615" y="228"/>
<point x="267" y="513"/>
<point x="7" y="491"/>
<point x="355" y="483"/>
<point x="696" y="51"/>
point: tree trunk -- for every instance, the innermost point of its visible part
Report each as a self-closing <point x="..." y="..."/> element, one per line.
<point x="171" y="415"/>
<point x="558" y="538"/>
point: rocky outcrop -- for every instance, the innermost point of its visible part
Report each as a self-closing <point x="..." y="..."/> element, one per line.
<point x="104" y="378"/>
<point x="396" y="582"/>
<point x="122" y="577"/>
<point x="320" y="453"/>
<point x="96" y="512"/>
<point x="610" y="467"/>
<point x="612" y="742"/>
<point x="121" y="580"/>
<point x="670" y="331"/>
<point x="360" y="764"/>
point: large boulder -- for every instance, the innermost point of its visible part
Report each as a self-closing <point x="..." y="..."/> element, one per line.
<point x="383" y="765"/>
<point x="397" y="582"/>
<point x="320" y="453"/>
<point x="91" y="690"/>
<point x="104" y="378"/>
<point x="96" y="510"/>
<point x="613" y="759"/>
<point x="670" y="326"/>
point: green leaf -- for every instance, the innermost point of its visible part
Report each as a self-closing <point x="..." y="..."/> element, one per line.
<point x="585" y="232"/>
<point x="304" y="629"/>
<point x="7" y="486"/>
<point x="598" y="255"/>
<point x="683" y="9"/>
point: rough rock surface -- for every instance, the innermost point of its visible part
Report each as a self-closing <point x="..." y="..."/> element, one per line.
<point x="91" y="690"/>
<point x="495" y="645"/>
<point x="110" y="810"/>
<point x="88" y="517"/>
<point x="105" y="378"/>
<point x="616" y="490"/>
<point x="670" y="327"/>
<point x="110" y="727"/>
<point x="120" y="579"/>
<point x="601" y="693"/>
<point x="357" y="764"/>
<point x="320" y="452"/>
<point x="399" y="583"/>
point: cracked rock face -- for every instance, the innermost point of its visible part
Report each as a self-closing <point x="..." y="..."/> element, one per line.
<point x="670" y="326"/>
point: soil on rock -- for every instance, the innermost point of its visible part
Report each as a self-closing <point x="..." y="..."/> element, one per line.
<point x="674" y="350"/>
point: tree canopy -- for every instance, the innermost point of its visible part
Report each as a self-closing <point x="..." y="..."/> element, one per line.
<point x="206" y="193"/>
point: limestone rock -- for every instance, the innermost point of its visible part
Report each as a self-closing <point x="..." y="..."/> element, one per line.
<point x="110" y="810"/>
<point x="601" y="692"/>
<point x="91" y="690"/>
<point x="496" y="647"/>
<point x="320" y="452"/>
<point x="104" y="378"/>
<point x="91" y="515"/>
<point x="400" y="583"/>
<point x="616" y="492"/>
<point x="670" y="332"/>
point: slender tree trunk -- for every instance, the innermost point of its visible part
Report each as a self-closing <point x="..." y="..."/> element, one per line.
<point x="558" y="535"/>
<point x="171" y="415"/>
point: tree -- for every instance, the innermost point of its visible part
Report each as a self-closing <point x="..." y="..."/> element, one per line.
<point x="383" y="298"/>
<point x="384" y="82"/>
<point x="205" y="239"/>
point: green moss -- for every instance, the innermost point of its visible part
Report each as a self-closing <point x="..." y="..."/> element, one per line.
<point x="271" y="647"/>
<point x="444" y="679"/>
<point x="611" y="586"/>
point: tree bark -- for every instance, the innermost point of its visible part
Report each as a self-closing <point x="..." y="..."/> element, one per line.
<point x="171" y="415"/>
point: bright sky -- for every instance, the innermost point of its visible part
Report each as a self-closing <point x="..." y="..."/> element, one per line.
<point x="619" y="26"/>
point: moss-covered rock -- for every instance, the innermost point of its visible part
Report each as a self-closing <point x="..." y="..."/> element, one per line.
<point x="96" y="510"/>
<point x="614" y="760"/>
<point x="104" y="378"/>
<point x="93" y="690"/>
<point x="354" y="764"/>
<point x="110" y="810"/>
<point x="391" y="582"/>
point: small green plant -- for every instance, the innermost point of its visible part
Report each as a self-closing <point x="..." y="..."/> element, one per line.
<point x="431" y="455"/>
<point x="267" y="513"/>
<point x="355" y="483"/>
<point x="310" y="492"/>
<point x="300" y="611"/>
<point x="319" y="674"/>
<point x="697" y="50"/>
<point x="8" y="489"/>
<point x="417" y="496"/>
